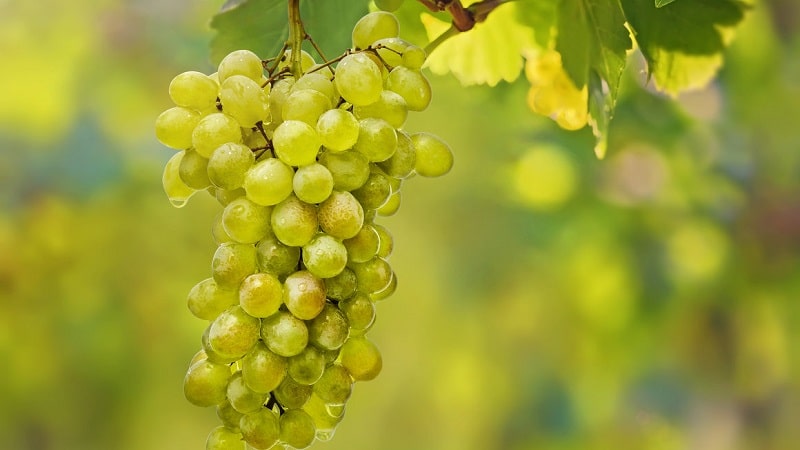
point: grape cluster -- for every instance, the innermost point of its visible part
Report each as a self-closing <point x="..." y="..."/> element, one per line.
<point x="553" y="93"/>
<point x="302" y="166"/>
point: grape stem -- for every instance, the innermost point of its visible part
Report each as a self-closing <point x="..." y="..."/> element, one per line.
<point x="464" y="19"/>
<point x="296" y="36"/>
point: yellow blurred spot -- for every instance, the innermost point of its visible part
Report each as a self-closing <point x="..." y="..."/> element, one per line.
<point x="44" y="47"/>
<point x="697" y="250"/>
<point x="605" y="293"/>
<point x="544" y="178"/>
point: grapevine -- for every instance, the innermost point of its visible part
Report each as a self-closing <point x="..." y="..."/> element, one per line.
<point x="303" y="157"/>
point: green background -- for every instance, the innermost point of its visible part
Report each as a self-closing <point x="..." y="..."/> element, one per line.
<point x="547" y="300"/>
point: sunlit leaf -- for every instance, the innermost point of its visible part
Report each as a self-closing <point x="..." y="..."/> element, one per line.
<point x="683" y="41"/>
<point x="489" y="53"/>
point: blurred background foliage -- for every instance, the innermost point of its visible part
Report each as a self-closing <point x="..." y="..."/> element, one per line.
<point x="547" y="300"/>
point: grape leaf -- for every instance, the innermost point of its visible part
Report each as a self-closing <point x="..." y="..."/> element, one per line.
<point x="262" y="25"/>
<point x="540" y="15"/>
<point x="593" y="42"/>
<point x="683" y="41"/>
<point x="660" y="3"/>
<point x="592" y="35"/>
<point x="487" y="54"/>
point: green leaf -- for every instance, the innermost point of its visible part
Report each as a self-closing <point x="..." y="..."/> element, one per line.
<point x="683" y="41"/>
<point x="593" y="43"/>
<point x="660" y="3"/>
<point x="262" y="25"/>
<point x="601" y="108"/>
<point x="489" y="53"/>
<point x="540" y="15"/>
<point x="592" y="35"/>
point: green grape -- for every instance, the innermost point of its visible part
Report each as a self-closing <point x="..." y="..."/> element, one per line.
<point x="412" y="86"/>
<point x="193" y="90"/>
<point x="177" y="191"/>
<point x="391" y="49"/>
<point x="232" y="263"/>
<point x="294" y="221"/>
<point x="319" y="82"/>
<point x="361" y="358"/>
<point x="377" y="140"/>
<point x="433" y="156"/>
<point x="214" y="130"/>
<point x="234" y="332"/>
<point x="275" y="257"/>
<point x="304" y="294"/>
<point x="391" y="206"/>
<point x="296" y="143"/>
<point x="391" y="107"/>
<point x="341" y="215"/>
<point x="389" y="5"/>
<point x="360" y="312"/>
<point x="240" y="62"/>
<point x="206" y="300"/>
<point x="222" y="438"/>
<point x="312" y="183"/>
<point x="260" y="429"/>
<point x="358" y="79"/>
<point x="228" y="416"/>
<point x="349" y="169"/>
<point x="373" y="275"/>
<point x="261" y="294"/>
<point x="244" y="100"/>
<point x="297" y="428"/>
<point x="284" y="333"/>
<point x="211" y="354"/>
<point x="363" y="246"/>
<point x="337" y="129"/>
<point x="335" y="385"/>
<point x="324" y="256"/>
<point x="218" y="232"/>
<point x="329" y="329"/>
<point x="205" y="383"/>
<point x="342" y="286"/>
<point x="225" y="196"/>
<point x="246" y="222"/>
<point x="324" y="421"/>
<point x="193" y="170"/>
<point x="268" y="182"/>
<point x="277" y="97"/>
<point x="374" y="192"/>
<point x="386" y="241"/>
<point x="199" y="356"/>
<point x="292" y="394"/>
<point x="241" y="397"/>
<point x="305" y="105"/>
<point x="228" y="165"/>
<point x="414" y="57"/>
<point x="374" y="26"/>
<point x="174" y="127"/>
<point x="263" y="370"/>
<point x="306" y="60"/>
<point x="387" y="291"/>
<point x="307" y="366"/>
<point x="401" y="164"/>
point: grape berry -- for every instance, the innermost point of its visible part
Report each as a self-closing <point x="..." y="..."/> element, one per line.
<point x="302" y="167"/>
